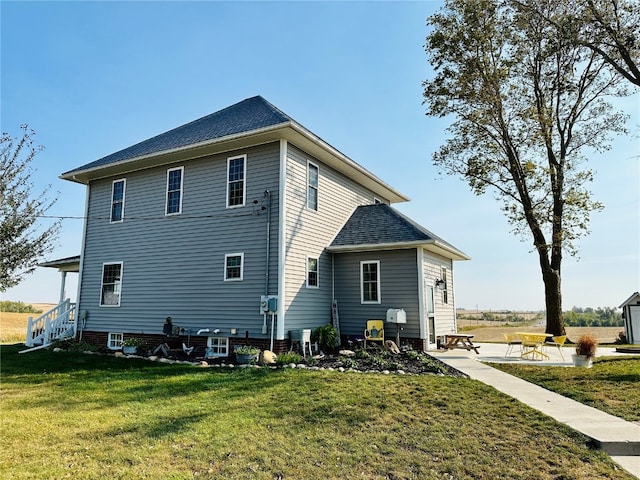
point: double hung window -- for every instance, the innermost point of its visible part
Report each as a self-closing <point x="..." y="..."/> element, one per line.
<point x="370" y="281"/>
<point x="312" y="186"/>
<point x="174" y="190"/>
<point x="233" y="267"/>
<point x="117" y="200"/>
<point x="312" y="272"/>
<point x="236" y="185"/>
<point x="111" y="284"/>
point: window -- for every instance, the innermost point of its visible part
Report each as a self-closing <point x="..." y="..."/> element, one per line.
<point x="312" y="272"/>
<point x="312" y="186"/>
<point x="370" y="282"/>
<point x="117" y="200"/>
<point x="114" y="341"/>
<point x="236" y="185"/>
<point x="174" y="191"/>
<point x="217" y="347"/>
<point x="111" y="284"/>
<point x="233" y="267"/>
<point x="445" y="292"/>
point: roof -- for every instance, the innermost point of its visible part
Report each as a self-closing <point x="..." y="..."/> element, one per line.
<point x="68" y="264"/>
<point x="634" y="299"/>
<point x="252" y="121"/>
<point x="380" y="226"/>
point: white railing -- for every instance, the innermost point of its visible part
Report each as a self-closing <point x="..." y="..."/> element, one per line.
<point x="56" y="324"/>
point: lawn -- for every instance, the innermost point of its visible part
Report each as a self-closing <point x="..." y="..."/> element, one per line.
<point x="612" y="385"/>
<point x="68" y="415"/>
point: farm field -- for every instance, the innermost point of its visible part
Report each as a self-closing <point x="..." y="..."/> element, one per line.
<point x="13" y="325"/>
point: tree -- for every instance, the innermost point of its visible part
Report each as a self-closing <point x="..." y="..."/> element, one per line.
<point x="607" y="27"/>
<point x="22" y="242"/>
<point x="526" y="103"/>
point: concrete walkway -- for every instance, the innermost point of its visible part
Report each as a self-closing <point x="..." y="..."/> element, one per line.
<point x="617" y="437"/>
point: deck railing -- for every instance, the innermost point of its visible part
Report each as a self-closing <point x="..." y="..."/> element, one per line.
<point x="56" y="324"/>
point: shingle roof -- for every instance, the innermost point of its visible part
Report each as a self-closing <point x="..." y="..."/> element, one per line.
<point x="381" y="224"/>
<point x="251" y="114"/>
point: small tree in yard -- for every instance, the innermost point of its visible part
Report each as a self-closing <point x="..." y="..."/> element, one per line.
<point x="22" y="242"/>
<point x="527" y="104"/>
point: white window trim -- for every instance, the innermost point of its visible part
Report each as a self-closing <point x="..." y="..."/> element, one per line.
<point x="102" y="284"/>
<point x="124" y="195"/>
<point x="362" y="300"/>
<point x="225" y="344"/>
<point x="166" y="193"/>
<point x="311" y="164"/>
<point x="317" y="259"/>
<point x="114" y="340"/>
<point x="241" y="255"/>
<point x="244" y="180"/>
<point x="376" y="200"/>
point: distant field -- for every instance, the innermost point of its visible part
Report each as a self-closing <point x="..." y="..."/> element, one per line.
<point x="13" y="326"/>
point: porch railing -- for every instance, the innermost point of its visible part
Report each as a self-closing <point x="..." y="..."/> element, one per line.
<point x="56" y="324"/>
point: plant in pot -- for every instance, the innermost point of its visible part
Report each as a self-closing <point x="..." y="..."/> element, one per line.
<point x="586" y="347"/>
<point x="130" y="345"/>
<point x="246" y="354"/>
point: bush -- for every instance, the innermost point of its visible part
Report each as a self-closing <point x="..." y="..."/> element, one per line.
<point x="287" y="358"/>
<point x="587" y="345"/>
<point x="326" y="337"/>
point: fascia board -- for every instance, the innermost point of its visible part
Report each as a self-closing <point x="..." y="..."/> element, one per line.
<point x="434" y="247"/>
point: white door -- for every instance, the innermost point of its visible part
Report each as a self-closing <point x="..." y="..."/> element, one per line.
<point x="430" y="315"/>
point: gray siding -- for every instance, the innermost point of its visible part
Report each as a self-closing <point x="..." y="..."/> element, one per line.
<point x="174" y="265"/>
<point x="308" y="232"/>
<point x="398" y="289"/>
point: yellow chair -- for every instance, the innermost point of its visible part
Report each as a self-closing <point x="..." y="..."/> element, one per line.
<point x="374" y="332"/>
<point x="512" y="340"/>
<point x="557" y="341"/>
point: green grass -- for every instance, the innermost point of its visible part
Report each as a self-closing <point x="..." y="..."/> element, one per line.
<point x="69" y="415"/>
<point x="611" y="385"/>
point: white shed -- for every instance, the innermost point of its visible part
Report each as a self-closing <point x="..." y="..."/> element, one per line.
<point x="631" y="314"/>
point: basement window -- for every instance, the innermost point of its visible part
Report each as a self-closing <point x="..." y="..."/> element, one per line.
<point x="217" y="347"/>
<point x="114" y="341"/>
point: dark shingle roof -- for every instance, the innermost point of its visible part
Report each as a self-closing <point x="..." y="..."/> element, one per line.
<point x="381" y="224"/>
<point x="251" y="114"/>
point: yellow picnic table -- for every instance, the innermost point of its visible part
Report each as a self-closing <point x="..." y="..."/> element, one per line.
<point x="532" y="343"/>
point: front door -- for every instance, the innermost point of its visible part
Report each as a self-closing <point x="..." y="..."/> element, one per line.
<point x="430" y="315"/>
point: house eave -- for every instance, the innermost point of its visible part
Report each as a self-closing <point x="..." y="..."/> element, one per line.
<point x="290" y="131"/>
<point x="431" y="246"/>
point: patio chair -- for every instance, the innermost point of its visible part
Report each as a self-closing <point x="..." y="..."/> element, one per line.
<point x="512" y="341"/>
<point x="557" y="341"/>
<point x="374" y="332"/>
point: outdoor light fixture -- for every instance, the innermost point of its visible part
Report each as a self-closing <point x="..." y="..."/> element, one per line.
<point x="440" y="283"/>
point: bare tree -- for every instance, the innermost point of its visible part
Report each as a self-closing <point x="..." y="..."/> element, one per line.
<point x="22" y="241"/>
<point x="526" y="104"/>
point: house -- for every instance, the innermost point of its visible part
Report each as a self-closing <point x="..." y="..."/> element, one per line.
<point x="631" y="315"/>
<point x="244" y="226"/>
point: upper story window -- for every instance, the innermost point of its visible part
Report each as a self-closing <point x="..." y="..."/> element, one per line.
<point x="370" y="281"/>
<point x="174" y="191"/>
<point x="233" y="266"/>
<point x="117" y="200"/>
<point x="312" y="186"/>
<point x="312" y="272"/>
<point x="111" y="284"/>
<point x="445" y="288"/>
<point x="236" y="185"/>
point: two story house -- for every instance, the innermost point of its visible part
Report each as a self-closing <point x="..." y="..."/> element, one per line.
<point x="244" y="226"/>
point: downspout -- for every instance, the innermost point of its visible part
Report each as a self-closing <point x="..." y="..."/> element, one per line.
<point x="267" y="197"/>
<point x="81" y="315"/>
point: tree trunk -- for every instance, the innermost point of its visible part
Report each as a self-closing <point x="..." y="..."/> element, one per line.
<point x="553" y="301"/>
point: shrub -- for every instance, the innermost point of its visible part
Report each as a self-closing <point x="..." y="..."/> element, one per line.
<point x="287" y="358"/>
<point x="17" y="307"/>
<point x="326" y="337"/>
<point x="622" y="339"/>
<point x="133" y="342"/>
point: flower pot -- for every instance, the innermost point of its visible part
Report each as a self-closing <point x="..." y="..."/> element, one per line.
<point x="582" y="361"/>
<point x="129" y="349"/>
<point x="246" y="358"/>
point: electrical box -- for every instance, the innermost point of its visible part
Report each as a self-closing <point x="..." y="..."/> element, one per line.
<point x="268" y="304"/>
<point x="396" y="315"/>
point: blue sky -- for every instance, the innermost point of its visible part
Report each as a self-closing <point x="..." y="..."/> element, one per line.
<point x="95" y="77"/>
